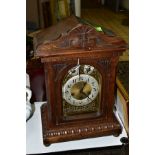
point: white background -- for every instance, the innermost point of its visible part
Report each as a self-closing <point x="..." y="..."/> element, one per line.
<point x="13" y="79"/>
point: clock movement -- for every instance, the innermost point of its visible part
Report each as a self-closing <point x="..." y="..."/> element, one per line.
<point x="79" y="66"/>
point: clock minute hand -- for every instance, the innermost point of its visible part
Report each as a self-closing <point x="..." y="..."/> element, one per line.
<point x="81" y="91"/>
<point x="86" y="95"/>
<point x="79" y="72"/>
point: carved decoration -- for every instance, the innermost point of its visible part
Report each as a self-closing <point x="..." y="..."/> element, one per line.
<point x="82" y="37"/>
<point x="95" y="128"/>
<point x="58" y="69"/>
<point x="80" y="130"/>
<point x="105" y="63"/>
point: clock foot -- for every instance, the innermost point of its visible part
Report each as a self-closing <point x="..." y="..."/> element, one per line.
<point x="70" y="132"/>
<point x="116" y="134"/>
<point x="124" y="140"/>
<point x="47" y="144"/>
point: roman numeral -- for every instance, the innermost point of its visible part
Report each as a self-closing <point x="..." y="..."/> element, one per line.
<point x="66" y="92"/>
<point x="81" y="78"/>
<point x="69" y="86"/>
<point x="74" y="80"/>
<point x="88" y="80"/>
<point x="93" y="83"/>
<point x="69" y="98"/>
<point x="94" y="89"/>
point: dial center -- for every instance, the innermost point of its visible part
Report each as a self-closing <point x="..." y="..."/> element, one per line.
<point x="81" y="90"/>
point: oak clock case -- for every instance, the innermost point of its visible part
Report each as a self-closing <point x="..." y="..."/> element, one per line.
<point x="79" y="71"/>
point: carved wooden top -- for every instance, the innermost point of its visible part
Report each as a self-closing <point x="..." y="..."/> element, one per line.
<point x="74" y="39"/>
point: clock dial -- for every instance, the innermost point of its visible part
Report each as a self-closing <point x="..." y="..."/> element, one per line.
<point x="80" y="90"/>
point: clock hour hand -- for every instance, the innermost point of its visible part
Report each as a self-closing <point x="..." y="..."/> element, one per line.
<point x="83" y="85"/>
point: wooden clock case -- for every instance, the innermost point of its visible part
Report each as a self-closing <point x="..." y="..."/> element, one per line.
<point x="59" y="48"/>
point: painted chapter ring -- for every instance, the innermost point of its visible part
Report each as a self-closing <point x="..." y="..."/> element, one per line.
<point x="66" y="90"/>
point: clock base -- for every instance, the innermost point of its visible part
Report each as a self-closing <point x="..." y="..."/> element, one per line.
<point x="76" y="131"/>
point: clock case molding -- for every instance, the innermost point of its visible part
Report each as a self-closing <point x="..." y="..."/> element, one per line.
<point x="59" y="48"/>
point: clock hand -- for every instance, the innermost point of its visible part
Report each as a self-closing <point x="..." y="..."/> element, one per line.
<point x="81" y="91"/>
<point x="80" y="87"/>
<point x="86" y="95"/>
<point x="79" y="73"/>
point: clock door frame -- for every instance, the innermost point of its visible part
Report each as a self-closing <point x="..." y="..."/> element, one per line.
<point x="102" y="106"/>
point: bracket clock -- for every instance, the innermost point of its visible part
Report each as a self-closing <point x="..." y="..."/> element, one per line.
<point x="79" y="65"/>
